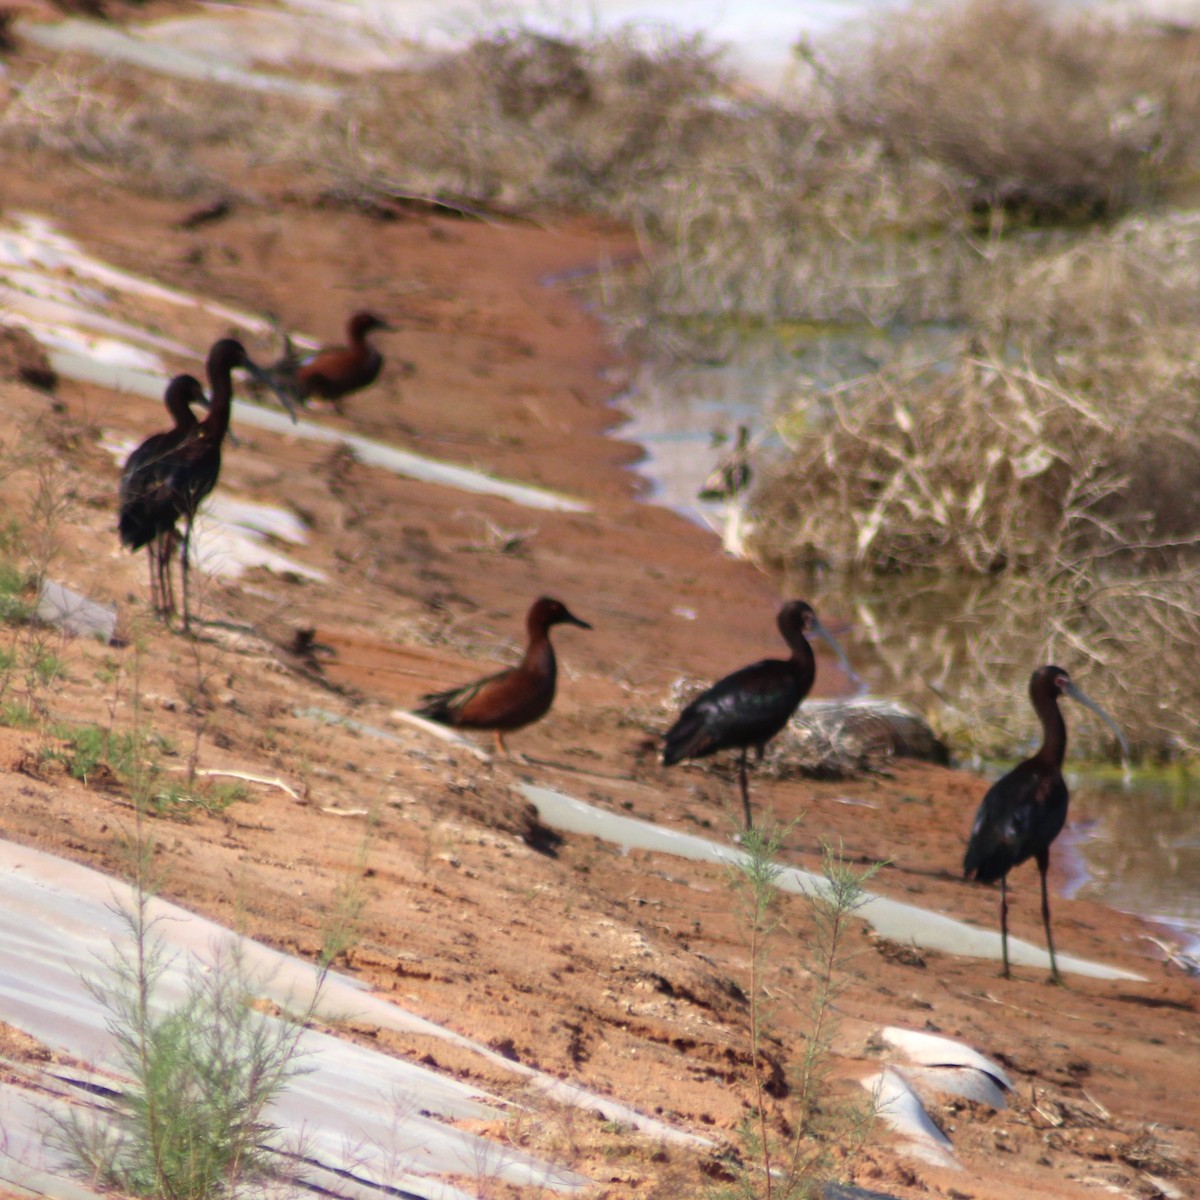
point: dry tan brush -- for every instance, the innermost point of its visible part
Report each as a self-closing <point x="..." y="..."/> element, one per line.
<point x="1073" y="508"/>
<point x="863" y="196"/>
<point x="1040" y="111"/>
<point x="1130" y="641"/>
<point x="983" y="465"/>
<point x="762" y="207"/>
<point x="1127" y="291"/>
<point x="521" y="120"/>
<point x="142" y="131"/>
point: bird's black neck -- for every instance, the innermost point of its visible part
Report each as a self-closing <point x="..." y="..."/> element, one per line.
<point x="220" y="380"/>
<point x="1054" y="732"/>
<point x="183" y="416"/>
<point x="803" y="660"/>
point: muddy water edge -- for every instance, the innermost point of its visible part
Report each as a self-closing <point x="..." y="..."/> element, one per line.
<point x="1134" y="842"/>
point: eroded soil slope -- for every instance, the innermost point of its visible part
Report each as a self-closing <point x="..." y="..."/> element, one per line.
<point x="625" y="972"/>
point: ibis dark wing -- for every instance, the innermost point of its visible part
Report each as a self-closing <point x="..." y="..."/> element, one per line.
<point x="1022" y="813"/>
<point x="192" y="471"/>
<point x="746" y="708"/>
<point x="146" y="506"/>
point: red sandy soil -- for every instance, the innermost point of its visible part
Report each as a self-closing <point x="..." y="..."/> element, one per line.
<point x="627" y="973"/>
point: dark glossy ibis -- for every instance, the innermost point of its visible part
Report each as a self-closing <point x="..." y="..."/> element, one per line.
<point x="147" y="512"/>
<point x="334" y="372"/>
<point x="749" y="707"/>
<point x="514" y="698"/>
<point x="1024" y="811"/>
<point x="189" y="471"/>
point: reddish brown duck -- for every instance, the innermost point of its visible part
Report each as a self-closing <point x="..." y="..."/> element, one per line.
<point x="514" y="698"/>
<point x="334" y="372"/>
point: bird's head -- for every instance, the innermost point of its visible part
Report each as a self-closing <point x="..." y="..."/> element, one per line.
<point x="364" y="322"/>
<point x="229" y="355"/>
<point x="1051" y="682"/>
<point x="547" y="611"/>
<point x="182" y="392"/>
<point x="797" y="620"/>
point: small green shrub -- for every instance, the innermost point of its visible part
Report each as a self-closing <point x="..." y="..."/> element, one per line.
<point x="798" y="1130"/>
<point x="47" y="667"/>
<point x="192" y="1125"/>
<point x="84" y="747"/>
<point x="18" y="715"/>
<point x="181" y="801"/>
<point x="15" y="605"/>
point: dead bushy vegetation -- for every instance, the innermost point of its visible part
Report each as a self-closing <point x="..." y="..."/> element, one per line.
<point x="856" y="198"/>
<point x="983" y="465"/>
<point x="1071" y="500"/>
<point x="1129" y="290"/>
<point x="522" y="120"/>
<point x="964" y="147"/>
<point x="965" y="655"/>
<point x="150" y="138"/>
<point x="1041" y="112"/>
<point x="789" y="219"/>
<point x="763" y="208"/>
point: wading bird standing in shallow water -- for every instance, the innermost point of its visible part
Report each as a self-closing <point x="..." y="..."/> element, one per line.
<point x="1024" y="811"/>
<point x="731" y="476"/>
<point x="514" y="698"/>
<point x="147" y="513"/>
<point x="333" y="372"/>
<point x="749" y="707"/>
<point x="187" y="471"/>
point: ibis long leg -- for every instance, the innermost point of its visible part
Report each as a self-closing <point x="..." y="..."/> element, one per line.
<point x="745" y="789"/>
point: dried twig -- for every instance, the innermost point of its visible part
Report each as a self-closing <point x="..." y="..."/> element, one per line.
<point x="244" y="776"/>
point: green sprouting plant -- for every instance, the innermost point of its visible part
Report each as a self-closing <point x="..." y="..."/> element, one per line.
<point x="834" y="901"/>
<point x="47" y="667"/>
<point x="217" y="797"/>
<point x="180" y="801"/>
<point x="174" y="801"/>
<point x="81" y="753"/>
<point x="14" y="594"/>
<point x="85" y="747"/>
<point x="192" y="1124"/>
<point x="17" y="714"/>
<point x="340" y="926"/>
<point x="789" y="1139"/>
<point x="203" y="1069"/>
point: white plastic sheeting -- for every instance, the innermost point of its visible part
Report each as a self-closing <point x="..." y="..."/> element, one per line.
<point x="932" y="1063"/>
<point x="901" y="1109"/>
<point x="62" y="295"/>
<point x="890" y="918"/>
<point x="379" y="1118"/>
